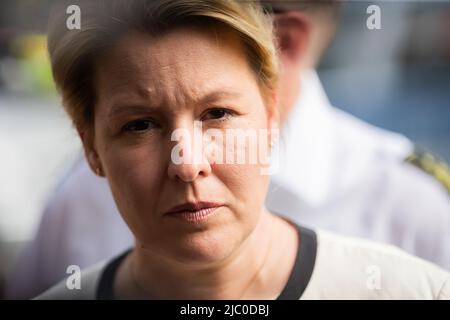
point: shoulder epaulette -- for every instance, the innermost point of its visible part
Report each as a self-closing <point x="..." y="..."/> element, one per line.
<point x="431" y="164"/>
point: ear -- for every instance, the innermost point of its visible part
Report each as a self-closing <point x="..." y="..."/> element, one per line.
<point x="292" y="29"/>
<point x="90" y="152"/>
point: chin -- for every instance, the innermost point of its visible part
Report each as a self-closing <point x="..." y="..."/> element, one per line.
<point x="203" y="248"/>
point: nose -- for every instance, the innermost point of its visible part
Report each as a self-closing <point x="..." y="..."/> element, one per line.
<point x="188" y="160"/>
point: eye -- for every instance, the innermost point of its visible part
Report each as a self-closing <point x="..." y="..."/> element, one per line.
<point x="138" y="126"/>
<point x="217" y="114"/>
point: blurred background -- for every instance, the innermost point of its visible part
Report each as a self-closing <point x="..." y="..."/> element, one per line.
<point x="396" y="78"/>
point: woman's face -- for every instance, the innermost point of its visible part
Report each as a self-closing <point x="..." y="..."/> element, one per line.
<point x="147" y="88"/>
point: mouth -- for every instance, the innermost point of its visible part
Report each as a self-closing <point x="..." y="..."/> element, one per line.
<point x="194" y="212"/>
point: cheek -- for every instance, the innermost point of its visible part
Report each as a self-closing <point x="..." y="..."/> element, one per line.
<point x="135" y="176"/>
<point x="245" y="163"/>
<point x="247" y="185"/>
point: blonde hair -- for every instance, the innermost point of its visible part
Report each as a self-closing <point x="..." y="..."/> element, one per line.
<point x="73" y="52"/>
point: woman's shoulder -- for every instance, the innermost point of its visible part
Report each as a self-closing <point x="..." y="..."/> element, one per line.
<point x="81" y="286"/>
<point x="352" y="268"/>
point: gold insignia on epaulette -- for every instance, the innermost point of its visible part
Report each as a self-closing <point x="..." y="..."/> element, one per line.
<point x="432" y="165"/>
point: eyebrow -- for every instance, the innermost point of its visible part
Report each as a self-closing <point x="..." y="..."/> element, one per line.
<point x="208" y="99"/>
<point x="123" y="109"/>
<point x="217" y="95"/>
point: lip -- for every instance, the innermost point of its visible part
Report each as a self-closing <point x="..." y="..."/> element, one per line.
<point x="194" y="211"/>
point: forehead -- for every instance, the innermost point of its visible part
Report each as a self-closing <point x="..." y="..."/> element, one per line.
<point x="178" y="66"/>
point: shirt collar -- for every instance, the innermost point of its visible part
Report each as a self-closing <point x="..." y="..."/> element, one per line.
<point x="306" y="148"/>
<point x="324" y="152"/>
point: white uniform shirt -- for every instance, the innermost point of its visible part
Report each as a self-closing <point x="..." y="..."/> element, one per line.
<point x="341" y="174"/>
<point x="336" y="173"/>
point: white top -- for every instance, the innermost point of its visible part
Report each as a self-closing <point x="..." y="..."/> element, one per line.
<point x="338" y="173"/>
<point x="344" y="268"/>
<point x="350" y="268"/>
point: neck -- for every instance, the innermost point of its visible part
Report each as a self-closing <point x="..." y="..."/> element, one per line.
<point x="289" y="91"/>
<point x="247" y="273"/>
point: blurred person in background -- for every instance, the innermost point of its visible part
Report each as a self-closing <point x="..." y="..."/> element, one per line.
<point x="335" y="172"/>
